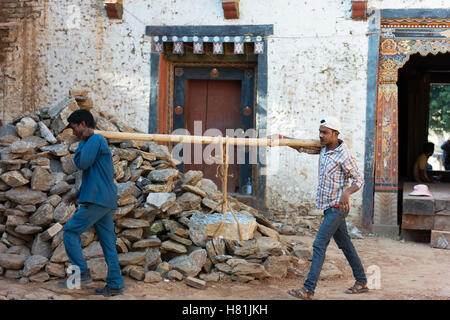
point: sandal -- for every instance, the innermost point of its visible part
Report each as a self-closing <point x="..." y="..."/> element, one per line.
<point x="302" y="293"/>
<point x="357" y="288"/>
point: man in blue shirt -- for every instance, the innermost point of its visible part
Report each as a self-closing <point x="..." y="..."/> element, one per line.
<point x="98" y="199"/>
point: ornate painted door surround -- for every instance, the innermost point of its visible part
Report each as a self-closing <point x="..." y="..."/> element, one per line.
<point x="401" y="34"/>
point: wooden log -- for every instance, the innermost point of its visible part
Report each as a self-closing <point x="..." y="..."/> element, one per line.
<point x="442" y="223"/>
<point x="209" y="140"/>
<point x="440" y="239"/>
<point x="417" y="222"/>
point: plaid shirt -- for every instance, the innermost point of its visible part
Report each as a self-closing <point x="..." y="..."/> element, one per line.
<point x="336" y="167"/>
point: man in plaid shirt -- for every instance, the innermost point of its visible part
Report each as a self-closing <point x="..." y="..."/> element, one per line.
<point x="336" y="168"/>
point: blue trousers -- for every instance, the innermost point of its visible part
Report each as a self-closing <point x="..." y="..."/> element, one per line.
<point x="102" y="219"/>
<point x="333" y="225"/>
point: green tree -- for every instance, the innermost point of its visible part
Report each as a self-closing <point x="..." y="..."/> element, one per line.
<point x="439" y="120"/>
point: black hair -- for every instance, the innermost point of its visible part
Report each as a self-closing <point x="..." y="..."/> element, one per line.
<point x="79" y="116"/>
<point x="428" y="148"/>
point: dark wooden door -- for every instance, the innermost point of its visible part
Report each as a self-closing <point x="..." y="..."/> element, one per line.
<point x="224" y="100"/>
<point x="216" y="104"/>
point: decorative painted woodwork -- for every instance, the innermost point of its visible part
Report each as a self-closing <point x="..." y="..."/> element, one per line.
<point x="114" y="8"/>
<point x="230" y="9"/>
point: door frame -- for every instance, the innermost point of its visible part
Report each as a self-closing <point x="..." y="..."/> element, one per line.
<point x="394" y="34"/>
<point x="261" y="86"/>
<point x="247" y="78"/>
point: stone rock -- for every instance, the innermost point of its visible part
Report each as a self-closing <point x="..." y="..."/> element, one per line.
<point x="189" y="201"/>
<point x="195" y="190"/>
<point x="203" y="226"/>
<point x="131" y="258"/>
<point x="179" y="239"/>
<point x="60" y="115"/>
<point x="170" y="245"/>
<point x="63" y="212"/>
<point x="267" y="244"/>
<point x="42" y="179"/>
<point x="301" y="252"/>
<point x="28" y="229"/>
<point x="127" y="200"/>
<point x="189" y="265"/>
<point x="137" y="273"/>
<point x="98" y="268"/>
<point x="93" y="250"/>
<point x="14" y="221"/>
<point x="242" y="278"/>
<point x="132" y="223"/>
<point x="41" y="247"/>
<point x="330" y="272"/>
<point x="192" y="177"/>
<point x="40" y="277"/>
<point x="174" y="210"/>
<point x="268" y="232"/>
<point x="195" y="283"/>
<point x="152" y="257"/>
<point x="121" y="247"/>
<point x="126" y="189"/>
<point x="57" y="239"/>
<point x="26" y="127"/>
<point x="13" y="274"/>
<point x="132" y="234"/>
<point x="58" y="150"/>
<point x="33" y="265"/>
<point x="250" y="269"/>
<point x="24" y="196"/>
<point x="152" y="276"/>
<point x="157" y="227"/>
<point x="171" y="225"/>
<point x="46" y="133"/>
<point x="60" y="188"/>
<point x="53" y="200"/>
<point x="174" y="275"/>
<point x="210" y="204"/>
<point x="208" y="186"/>
<point x="162" y="268"/>
<point x="223" y="267"/>
<point x="160" y="201"/>
<point x="209" y="277"/>
<point x="55" y="269"/>
<point x="27" y="173"/>
<point x="43" y="215"/>
<point x="12" y="261"/>
<point x="87" y="237"/>
<point x="68" y="165"/>
<point x="277" y="267"/>
<point x="3" y="248"/>
<point x="145" y="243"/>
<point x="59" y="255"/>
<point x="14" y="179"/>
<point x="123" y="211"/>
<point x="163" y="175"/>
<point x="22" y="250"/>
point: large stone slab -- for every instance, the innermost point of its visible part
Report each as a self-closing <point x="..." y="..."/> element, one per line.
<point x="204" y="226"/>
<point x="14" y="179"/>
<point x="43" y="215"/>
<point x="63" y="212"/>
<point x="131" y="258"/>
<point x="163" y="175"/>
<point x="24" y="196"/>
<point x="42" y="179"/>
<point x="189" y="265"/>
<point x="160" y="201"/>
<point x="26" y="127"/>
<point x="12" y="261"/>
<point x="34" y="264"/>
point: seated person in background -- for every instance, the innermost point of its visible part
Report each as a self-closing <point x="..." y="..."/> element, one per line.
<point x="421" y="164"/>
<point x="446" y="154"/>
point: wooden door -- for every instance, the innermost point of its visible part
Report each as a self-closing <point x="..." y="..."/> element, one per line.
<point x="217" y="104"/>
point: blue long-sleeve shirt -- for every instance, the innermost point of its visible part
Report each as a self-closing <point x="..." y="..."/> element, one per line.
<point x="94" y="158"/>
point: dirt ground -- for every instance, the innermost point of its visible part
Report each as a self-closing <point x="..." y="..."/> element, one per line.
<point x="408" y="271"/>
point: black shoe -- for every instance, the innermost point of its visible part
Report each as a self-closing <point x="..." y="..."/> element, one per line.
<point x="85" y="279"/>
<point x="109" y="291"/>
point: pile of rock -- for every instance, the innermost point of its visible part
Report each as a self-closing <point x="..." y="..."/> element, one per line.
<point x="162" y="222"/>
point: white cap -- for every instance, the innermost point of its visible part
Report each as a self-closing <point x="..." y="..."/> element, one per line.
<point x="331" y="123"/>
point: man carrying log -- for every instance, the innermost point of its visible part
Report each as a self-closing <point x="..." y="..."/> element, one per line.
<point x="336" y="168"/>
<point x="98" y="199"/>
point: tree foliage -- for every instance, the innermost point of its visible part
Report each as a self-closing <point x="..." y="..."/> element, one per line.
<point x="439" y="120"/>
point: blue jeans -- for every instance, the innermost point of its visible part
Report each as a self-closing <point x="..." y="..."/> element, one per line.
<point x="102" y="219"/>
<point x="333" y="225"/>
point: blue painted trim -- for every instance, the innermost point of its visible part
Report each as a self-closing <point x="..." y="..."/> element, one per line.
<point x="190" y="31"/>
<point x="154" y="85"/>
<point x="369" y="154"/>
<point x="416" y="13"/>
